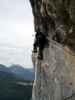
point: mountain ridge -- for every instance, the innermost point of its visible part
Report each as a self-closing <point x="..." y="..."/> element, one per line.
<point x="17" y="71"/>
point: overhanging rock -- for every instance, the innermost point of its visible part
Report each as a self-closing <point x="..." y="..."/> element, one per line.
<point x="55" y="73"/>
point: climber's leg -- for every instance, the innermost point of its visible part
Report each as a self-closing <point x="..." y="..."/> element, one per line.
<point x="35" y="47"/>
<point x="40" y="55"/>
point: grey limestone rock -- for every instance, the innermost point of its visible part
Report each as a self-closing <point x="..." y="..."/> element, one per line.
<point x="55" y="74"/>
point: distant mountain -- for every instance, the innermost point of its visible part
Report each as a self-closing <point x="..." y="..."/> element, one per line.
<point x="4" y="68"/>
<point x="24" y="73"/>
<point x="9" y="87"/>
<point x="5" y="73"/>
<point x="16" y="72"/>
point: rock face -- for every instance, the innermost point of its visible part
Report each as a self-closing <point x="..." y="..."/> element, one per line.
<point x="55" y="73"/>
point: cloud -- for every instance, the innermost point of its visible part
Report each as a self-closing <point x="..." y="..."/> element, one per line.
<point x="15" y="8"/>
<point x="16" y="22"/>
<point x="16" y="28"/>
<point x="13" y="55"/>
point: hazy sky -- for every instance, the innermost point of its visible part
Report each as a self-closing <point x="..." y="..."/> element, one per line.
<point x="16" y="25"/>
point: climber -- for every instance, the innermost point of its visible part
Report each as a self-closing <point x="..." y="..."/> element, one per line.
<point x="32" y="3"/>
<point x="40" y="42"/>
